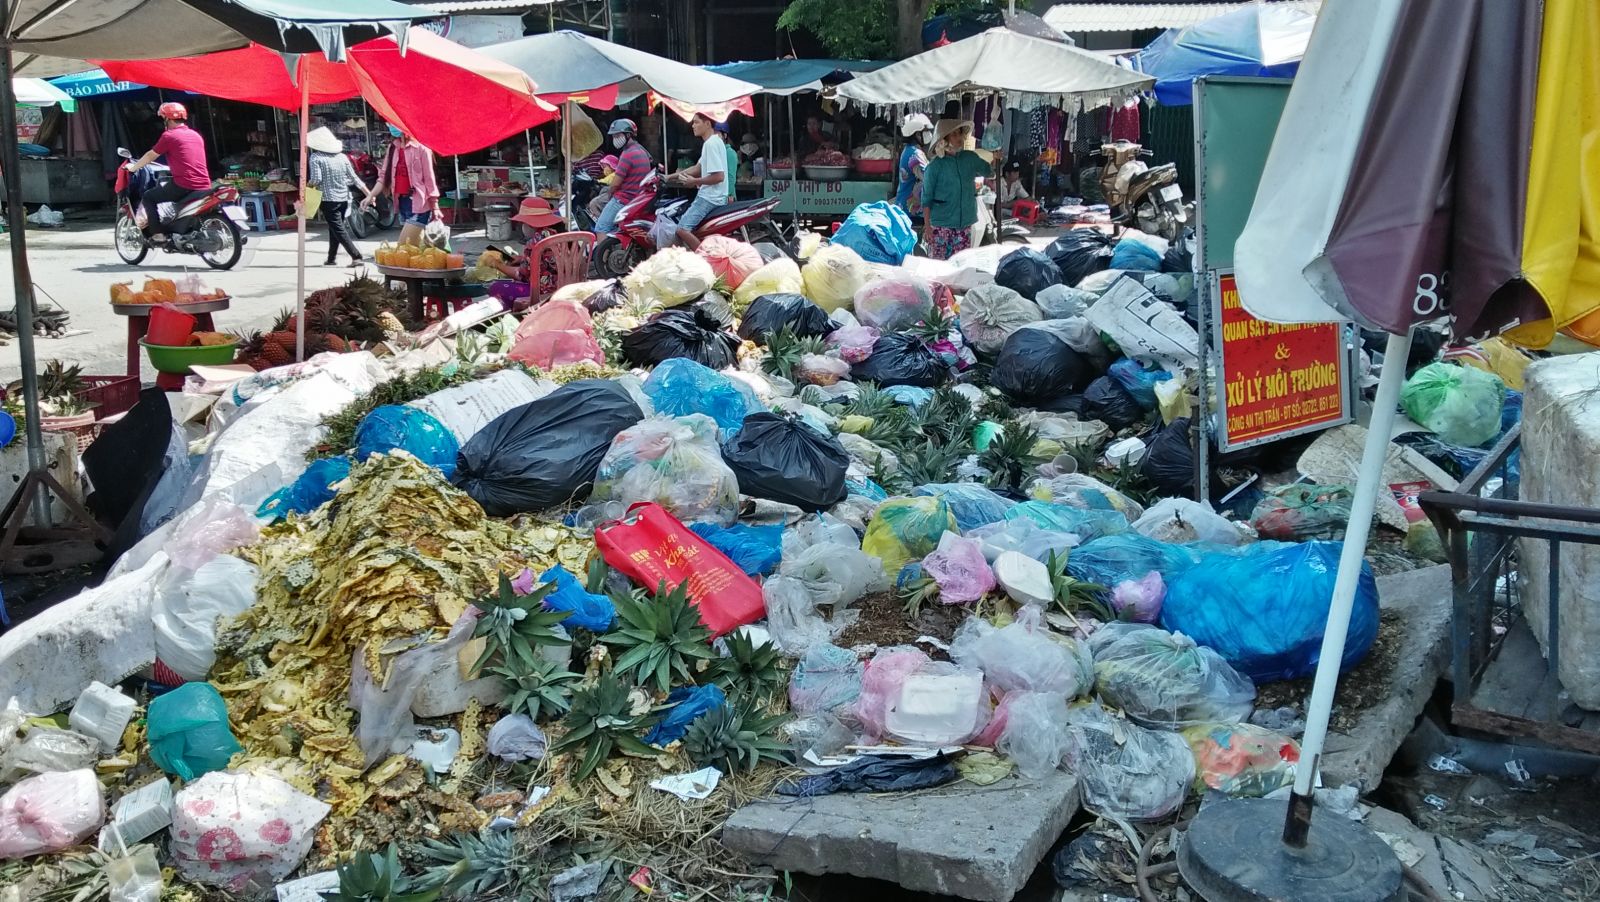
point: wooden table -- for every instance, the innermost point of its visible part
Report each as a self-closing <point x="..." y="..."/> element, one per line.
<point x="415" y="280"/>
<point x="139" y="322"/>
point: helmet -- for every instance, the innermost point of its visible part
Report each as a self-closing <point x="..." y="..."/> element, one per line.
<point x="916" y="122"/>
<point x="171" y="110"/>
<point x="622" y="127"/>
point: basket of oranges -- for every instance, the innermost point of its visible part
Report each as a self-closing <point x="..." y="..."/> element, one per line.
<point x="410" y="261"/>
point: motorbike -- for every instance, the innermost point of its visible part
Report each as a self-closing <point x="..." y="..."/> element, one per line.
<point x="616" y="255"/>
<point x="208" y="222"/>
<point x="987" y="230"/>
<point x="382" y="215"/>
<point x="584" y="189"/>
<point x="1147" y="198"/>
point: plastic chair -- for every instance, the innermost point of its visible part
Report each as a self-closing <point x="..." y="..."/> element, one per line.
<point x="570" y="251"/>
<point x="261" y="210"/>
<point x="1027" y="211"/>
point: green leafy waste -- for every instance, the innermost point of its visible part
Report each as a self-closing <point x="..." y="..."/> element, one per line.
<point x="659" y="637"/>
<point x="600" y="722"/>
<point x="515" y="625"/>
<point x="736" y="736"/>
<point x="748" y="668"/>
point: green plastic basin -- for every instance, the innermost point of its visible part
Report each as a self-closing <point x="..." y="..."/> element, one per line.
<point x="176" y="359"/>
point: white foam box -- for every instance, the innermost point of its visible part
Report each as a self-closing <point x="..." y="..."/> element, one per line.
<point x="102" y="712"/>
<point x="144" y="812"/>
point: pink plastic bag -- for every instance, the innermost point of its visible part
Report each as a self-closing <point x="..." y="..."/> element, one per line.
<point x="732" y="261"/>
<point x="854" y="343"/>
<point x="556" y="316"/>
<point x="50" y="812"/>
<point x="959" y="567"/>
<point x="547" y="350"/>
<point x="880" y="685"/>
<point x="1140" y="599"/>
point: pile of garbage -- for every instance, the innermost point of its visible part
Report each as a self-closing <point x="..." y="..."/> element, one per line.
<point x="486" y="614"/>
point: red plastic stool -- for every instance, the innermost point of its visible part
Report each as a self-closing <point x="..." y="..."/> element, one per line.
<point x="433" y="307"/>
<point x="1027" y="211"/>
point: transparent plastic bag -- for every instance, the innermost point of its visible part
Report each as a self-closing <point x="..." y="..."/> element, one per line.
<point x="826" y="678"/>
<point x="853" y="343"/>
<point x="835" y="575"/>
<point x="817" y="529"/>
<point x="959" y="567"/>
<point x="669" y="277"/>
<point x="135" y="877"/>
<point x="1022" y="536"/>
<point x="516" y="737"/>
<point x="1301" y="512"/>
<point x="1139" y="599"/>
<point x="1083" y="523"/>
<point x="1024" y="655"/>
<point x="820" y="369"/>
<point x="1127" y="771"/>
<point x="778" y="276"/>
<point x="1181" y="521"/>
<point x="1035" y="735"/>
<point x="818" y="734"/>
<point x="1087" y="492"/>
<point x="214" y="526"/>
<point x="1063" y="301"/>
<point x="880" y="685"/>
<point x="50" y="812"/>
<point x="1165" y="680"/>
<point x="1114" y="559"/>
<point x="906" y="529"/>
<point x="792" y="616"/>
<point x="937" y="705"/>
<point x="990" y="313"/>
<point x="48" y="750"/>
<point x="1241" y="759"/>
<point x="894" y="303"/>
<point x="1460" y="404"/>
<point x="675" y="462"/>
<point x="680" y="386"/>
<point x="972" y="505"/>
<point x="833" y="275"/>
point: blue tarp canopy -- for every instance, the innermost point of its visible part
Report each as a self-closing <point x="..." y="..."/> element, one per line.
<point x="785" y="77"/>
<point x="94" y="84"/>
<point x="1262" y="40"/>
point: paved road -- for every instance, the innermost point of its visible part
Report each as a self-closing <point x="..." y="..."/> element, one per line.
<point x="77" y="265"/>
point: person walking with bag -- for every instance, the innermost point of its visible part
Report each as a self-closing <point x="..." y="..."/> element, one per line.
<point x="949" y="189"/>
<point x="332" y="173"/>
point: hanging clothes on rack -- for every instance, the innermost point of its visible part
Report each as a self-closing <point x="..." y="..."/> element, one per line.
<point x="1123" y="121"/>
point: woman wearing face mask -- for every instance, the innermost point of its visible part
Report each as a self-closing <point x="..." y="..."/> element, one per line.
<point x="407" y="173"/>
<point x="949" y="189"/>
<point x="633" y="164"/>
<point x="917" y="130"/>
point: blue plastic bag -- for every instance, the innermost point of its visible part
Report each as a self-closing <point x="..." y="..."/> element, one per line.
<point x="681" y="386"/>
<point x="188" y="731"/>
<point x="594" y="613"/>
<point x="1085" y="524"/>
<point x="411" y="429"/>
<point x="1113" y="559"/>
<point x="880" y="232"/>
<point x="313" y="489"/>
<point x="973" y="505"/>
<point x="1264" y="613"/>
<point x="1139" y="382"/>
<point x="754" y="549"/>
<point x="1136" y="256"/>
<point x="685" y="705"/>
<point x="909" y="395"/>
<point x="866" y="488"/>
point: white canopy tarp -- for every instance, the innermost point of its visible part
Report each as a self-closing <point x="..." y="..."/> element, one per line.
<point x="38" y="92"/>
<point x="566" y="62"/>
<point x="999" y="60"/>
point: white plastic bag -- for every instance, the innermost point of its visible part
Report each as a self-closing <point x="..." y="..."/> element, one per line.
<point x="670" y="277"/>
<point x="792" y="616"/>
<point x="835" y="574"/>
<point x="1180" y="520"/>
<point x="1127" y="771"/>
<point x="1144" y="327"/>
<point x="1035" y="736"/>
<point x="1024" y="655"/>
<point x="48" y="750"/>
<point x="242" y="832"/>
<point x="189" y="605"/>
<point x="50" y="812"/>
<point x="990" y="313"/>
<point x="386" y="725"/>
<point x="515" y="737"/>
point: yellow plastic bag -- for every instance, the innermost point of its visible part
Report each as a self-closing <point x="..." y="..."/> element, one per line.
<point x="833" y="275"/>
<point x="903" y="530"/>
<point x="781" y="276"/>
<point x="1495" y="355"/>
<point x="673" y="276"/>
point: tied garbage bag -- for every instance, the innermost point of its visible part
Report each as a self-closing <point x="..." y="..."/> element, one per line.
<point x="906" y="529"/>
<point x="1139" y="600"/>
<point x="1063" y="302"/>
<point x="242" y="832"/>
<point x="188" y="731"/>
<point x="1024" y="656"/>
<point x="607" y="294"/>
<point x="1129" y="254"/>
<point x="783" y="459"/>
<point x="546" y="452"/>
<point x="1085" y="524"/>
<point x="669" y="277"/>
<point x="853" y="343"/>
<point x="1179" y="521"/>
<point x="1035" y="733"/>
<point x="1461" y="405"/>
<point x="772" y="313"/>
<point x="961" y="571"/>
<point x="880" y="685"/>
<point x="1138" y="381"/>
<point x="835" y="574"/>
<point x="311" y="490"/>
<point x="681" y="386"/>
<point x="893" y="303"/>
<point x="1107" y="401"/>
<point x="826" y="678"/>
<point x="684" y="706"/>
<point x="1241" y="759"/>
<point x="673" y="461"/>
<point x="1300" y="512"/>
<point x="1264" y="611"/>
<point x="1127" y="770"/>
<point x="50" y="812"/>
<point x="820" y="369"/>
<point x="551" y="348"/>
<point x="588" y="610"/>
<point x="1038" y="367"/>
<point x="1169" y="460"/>
<point x="899" y="358"/>
<point x="713" y="307"/>
<point x="1179" y="257"/>
<point x="780" y="275"/>
<point x="690" y="333"/>
<point x="880" y="232"/>
<point x="1165" y="680"/>
<point x="1111" y="560"/>
<point x="1079" y="253"/>
<point x="1078" y="490"/>
<point x="972" y="505"/>
<point x="1027" y="272"/>
<point x="409" y="429"/>
<point x="756" y="549"/>
<point x="990" y="313"/>
<point x="833" y="275"/>
<point x="732" y="261"/>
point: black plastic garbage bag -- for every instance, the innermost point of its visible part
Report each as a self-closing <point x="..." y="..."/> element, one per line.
<point x="901" y="359"/>
<point x="1027" y="272"/>
<point x="1080" y="252"/>
<point x="785" y="460"/>
<point x="612" y="295"/>
<point x="1179" y="257"/>
<point x="1036" y="367"/>
<point x="772" y="312"/>
<point x="713" y="307"/>
<point x="1107" y="401"/>
<point x="875" y="773"/>
<point x="1169" y="460"/>
<point x="680" y="333"/>
<point x="545" y="453"/>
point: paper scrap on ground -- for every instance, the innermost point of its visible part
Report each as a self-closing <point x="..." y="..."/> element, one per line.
<point x="697" y="785"/>
<point x="309" y="888"/>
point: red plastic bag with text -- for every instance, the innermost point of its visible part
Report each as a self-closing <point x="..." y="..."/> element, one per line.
<point x="650" y="546"/>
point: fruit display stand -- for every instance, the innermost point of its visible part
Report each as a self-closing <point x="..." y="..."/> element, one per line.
<point x="139" y="322"/>
<point x="416" y="280"/>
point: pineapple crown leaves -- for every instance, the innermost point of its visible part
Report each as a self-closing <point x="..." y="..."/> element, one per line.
<point x="785" y="348"/>
<point x="375" y="877"/>
<point x="601" y="721"/>
<point x="934" y="324"/>
<point x="1010" y="455"/>
<point x="736" y="736"/>
<point x="470" y="865"/>
<point x="541" y="690"/>
<point x="515" y="624"/>
<point x="749" y="668"/>
<point x="659" y="637"/>
<point x="918" y="592"/>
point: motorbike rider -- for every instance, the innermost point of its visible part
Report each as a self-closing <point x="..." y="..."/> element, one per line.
<point x="633" y="164"/>
<point x="709" y="176"/>
<point x="186" y="158"/>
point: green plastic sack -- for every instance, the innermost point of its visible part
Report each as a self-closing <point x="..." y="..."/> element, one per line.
<point x="1459" y="404"/>
<point x="833" y="275"/>
<point x="188" y="731"/>
<point x="1301" y="513"/>
<point x="906" y="529"/>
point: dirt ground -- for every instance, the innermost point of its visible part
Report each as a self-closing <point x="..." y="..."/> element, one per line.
<point x="883" y="622"/>
<point x="1359" y="689"/>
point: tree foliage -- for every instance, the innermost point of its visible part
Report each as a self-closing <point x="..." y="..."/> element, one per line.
<point x="869" y="29"/>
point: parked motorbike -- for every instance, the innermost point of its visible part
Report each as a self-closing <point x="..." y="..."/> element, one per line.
<point x="616" y="255"/>
<point x="382" y="215"/>
<point x="987" y="230"/>
<point x="1142" y="197"/>
<point x="209" y="223"/>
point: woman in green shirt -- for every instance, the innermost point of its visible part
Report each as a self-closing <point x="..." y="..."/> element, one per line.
<point x="949" y="189"/>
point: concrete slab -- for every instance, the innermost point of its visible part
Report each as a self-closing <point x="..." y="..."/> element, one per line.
<point x="961" y="840"/>
<point x="1422" y="597"/>
<point x="1453" y="869"/>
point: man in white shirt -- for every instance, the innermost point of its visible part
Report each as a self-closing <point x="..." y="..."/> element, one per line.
<point x="710" y="176"/>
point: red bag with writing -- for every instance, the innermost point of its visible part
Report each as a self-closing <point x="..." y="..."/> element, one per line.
<point x="650" y="546"/>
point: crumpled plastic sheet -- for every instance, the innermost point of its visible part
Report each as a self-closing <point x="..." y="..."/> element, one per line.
<point x="1035" y="735"/>
<point x="1165" y="680"/>
<point x="880" y="685"/>
<point x="217" y="525"/>
<point x="591" y="611"/>
<point x="385" y="710"/>
<point x="792" y="616"/>
<point x="835" y="574"/>
<point x="1024" y="656"/>
<point x="755" y="549"/>
<point x="1085" y="524"/>
<point x="312" y="489"/>
<point x="961" y="571"/>
<point x="875" y="773"/>
<point x="972" y="505"/>
<point x="516" y="737"/>
<point x="685" y="705"/>
<point x="1179" y="521"/>
<point x="1127" y="771"/>
<point x="825" y="679"/>
<point x="47" y="750"/>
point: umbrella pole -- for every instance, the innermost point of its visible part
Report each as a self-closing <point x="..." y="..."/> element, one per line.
<point x="22" y="286"/>
<point x="527" y="137"/>
<point x="1369" y="482"/>
<point x="566" y="154"/>
<point x="794" y="175"/>
<point x="300" y="225"/>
